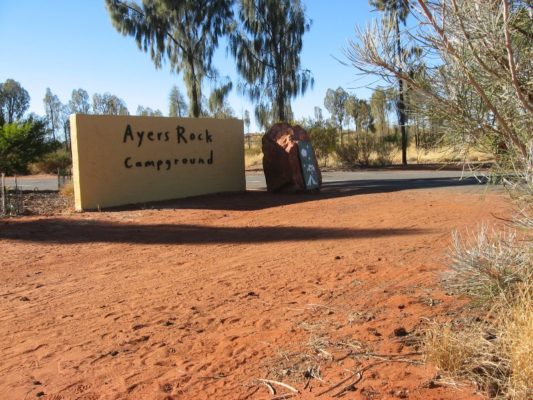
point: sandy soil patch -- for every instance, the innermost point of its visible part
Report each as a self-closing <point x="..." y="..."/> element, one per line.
<point x="200" y="298"/>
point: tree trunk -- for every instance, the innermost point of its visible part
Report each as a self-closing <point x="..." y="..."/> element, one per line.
<point x="194" y="87"/>
<point x="401" y="104"/>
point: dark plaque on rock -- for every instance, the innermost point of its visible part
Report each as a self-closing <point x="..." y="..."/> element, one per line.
<point x="308" y="162"/>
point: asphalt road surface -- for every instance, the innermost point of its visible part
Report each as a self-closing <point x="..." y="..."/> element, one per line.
<point x="385" y="180"/>
<point x="361" y="180"/>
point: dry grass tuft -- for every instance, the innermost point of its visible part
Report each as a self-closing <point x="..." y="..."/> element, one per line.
<point x="489" y="265"/>
<point x="517" y="343"/>
<point x="495" y="270"/>
<point x="67" y="190"/>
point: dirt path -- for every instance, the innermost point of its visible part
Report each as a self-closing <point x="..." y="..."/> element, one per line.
<point x="199" y="298"/>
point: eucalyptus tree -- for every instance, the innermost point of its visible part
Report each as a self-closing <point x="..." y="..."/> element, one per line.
<point x="366" y="118"/>
<point x="218" y="104"/>
<point x="109" y="104"/>
<point x="54" y="110"/>
<point x="267" y="46"/>
<point x="184" y="33"/>
<point x="148" y="112"/>
<point x="79" y="102"/>
<point x="14" y="101"/>
<point x="352" y="110"/>
<point x="335" y="103"/>
<point x="177" y="104"/>
<point x="395" y="13"/>
<point x="246" y="120"/>
<point x="380" y="108"/>
<point x="319" y="118"/>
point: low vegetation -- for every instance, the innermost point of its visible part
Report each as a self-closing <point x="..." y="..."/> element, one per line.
<point x="493" y="345"/>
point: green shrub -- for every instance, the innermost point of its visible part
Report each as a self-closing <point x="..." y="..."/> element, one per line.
<point x="348" y="153"/>
<point x="385" y="147"/>
<point x="21" y="143"/>
<point x="51" y="162"/>
<point x="324" y="140"/>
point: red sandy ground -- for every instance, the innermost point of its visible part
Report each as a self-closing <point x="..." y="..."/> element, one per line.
<point x="199" y="298"/>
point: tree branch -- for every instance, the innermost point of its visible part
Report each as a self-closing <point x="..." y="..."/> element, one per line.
<point x="451" y="50"/>
<point x="512" y="65"/>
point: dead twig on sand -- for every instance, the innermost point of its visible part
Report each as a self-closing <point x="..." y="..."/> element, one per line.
<point x="270" y="382"/>
<point x="284" y="396"/>
<point x="359" y="372"/>
<point x="384" y="357"/>
<point x="351" y="386"/>
<point x="270" y="388"/>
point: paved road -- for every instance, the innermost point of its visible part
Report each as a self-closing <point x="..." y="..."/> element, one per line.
<point x="384" y="180"/>
<point x="39" y="182"/>
<point x="371" y="180"/>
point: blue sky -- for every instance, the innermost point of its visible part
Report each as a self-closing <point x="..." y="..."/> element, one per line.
<point x="70" y="44"/>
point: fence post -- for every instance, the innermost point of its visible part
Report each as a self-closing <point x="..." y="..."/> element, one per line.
<point x="3" y="183"/>
<point x="58" y="180"/>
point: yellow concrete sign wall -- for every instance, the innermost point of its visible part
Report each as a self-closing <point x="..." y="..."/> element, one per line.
<point x="120" y="160"/>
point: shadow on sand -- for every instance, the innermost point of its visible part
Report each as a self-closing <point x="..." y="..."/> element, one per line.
<point x="69" y="231"/>
<point x="65" y="231"/>
<point x="258" y="200"/>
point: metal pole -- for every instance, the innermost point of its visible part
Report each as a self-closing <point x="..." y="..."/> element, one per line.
<point x="3" y="193"/>
<point x="58" y="180"/>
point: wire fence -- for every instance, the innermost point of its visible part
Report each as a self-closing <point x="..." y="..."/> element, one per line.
<point x="14" y="190"/>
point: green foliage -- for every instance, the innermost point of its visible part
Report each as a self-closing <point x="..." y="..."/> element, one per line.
<point x="79" y="102"/>
<point x="335" y="103"/>
<point x="380" y="106"/>
<point x="148" y="112"/>
<point x="21" y="143"/>
<point x="395" y="13"/>
<point x="184" y="33"/>
<point x="479" y="86"/>
<point x="246" y="120"/>
<point x="177" y="104"/>
<point x="14" y="101"/>
<point x="56" y="112"/>
<point x="267" y="48"/>
<point x="109" y="104"/>
<point x="218" y="104"/>
<point x="51" y="162"/>
<point x="364" y="149"/>
<point x="324" y="140"/>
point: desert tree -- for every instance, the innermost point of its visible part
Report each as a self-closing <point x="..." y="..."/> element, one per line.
<point x="14" y="101"/>
<point x="335" y="103"/>
<point x="352" y="110"/>
<point x="263" y="116"/>
<point x="380" y="108"/>
<point x="246" y="120"/>
<point x="185" y="33"/>
<point x="366" y="118"/>
<point x="395" y="14"/>
<point x="319" y="117"/>
<point x="109" y="104"/>
<point x="54" y="110"/>
<point x="148" y="112"/>
<point x="79" y="102"/>
<point x="177" y="106"/>
<point x="267" y="46"/>
<point x="480" y="82"/>
<point x="218" y="104"/>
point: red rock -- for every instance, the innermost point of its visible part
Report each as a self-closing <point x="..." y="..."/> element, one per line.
<point x="281" y="162"/>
